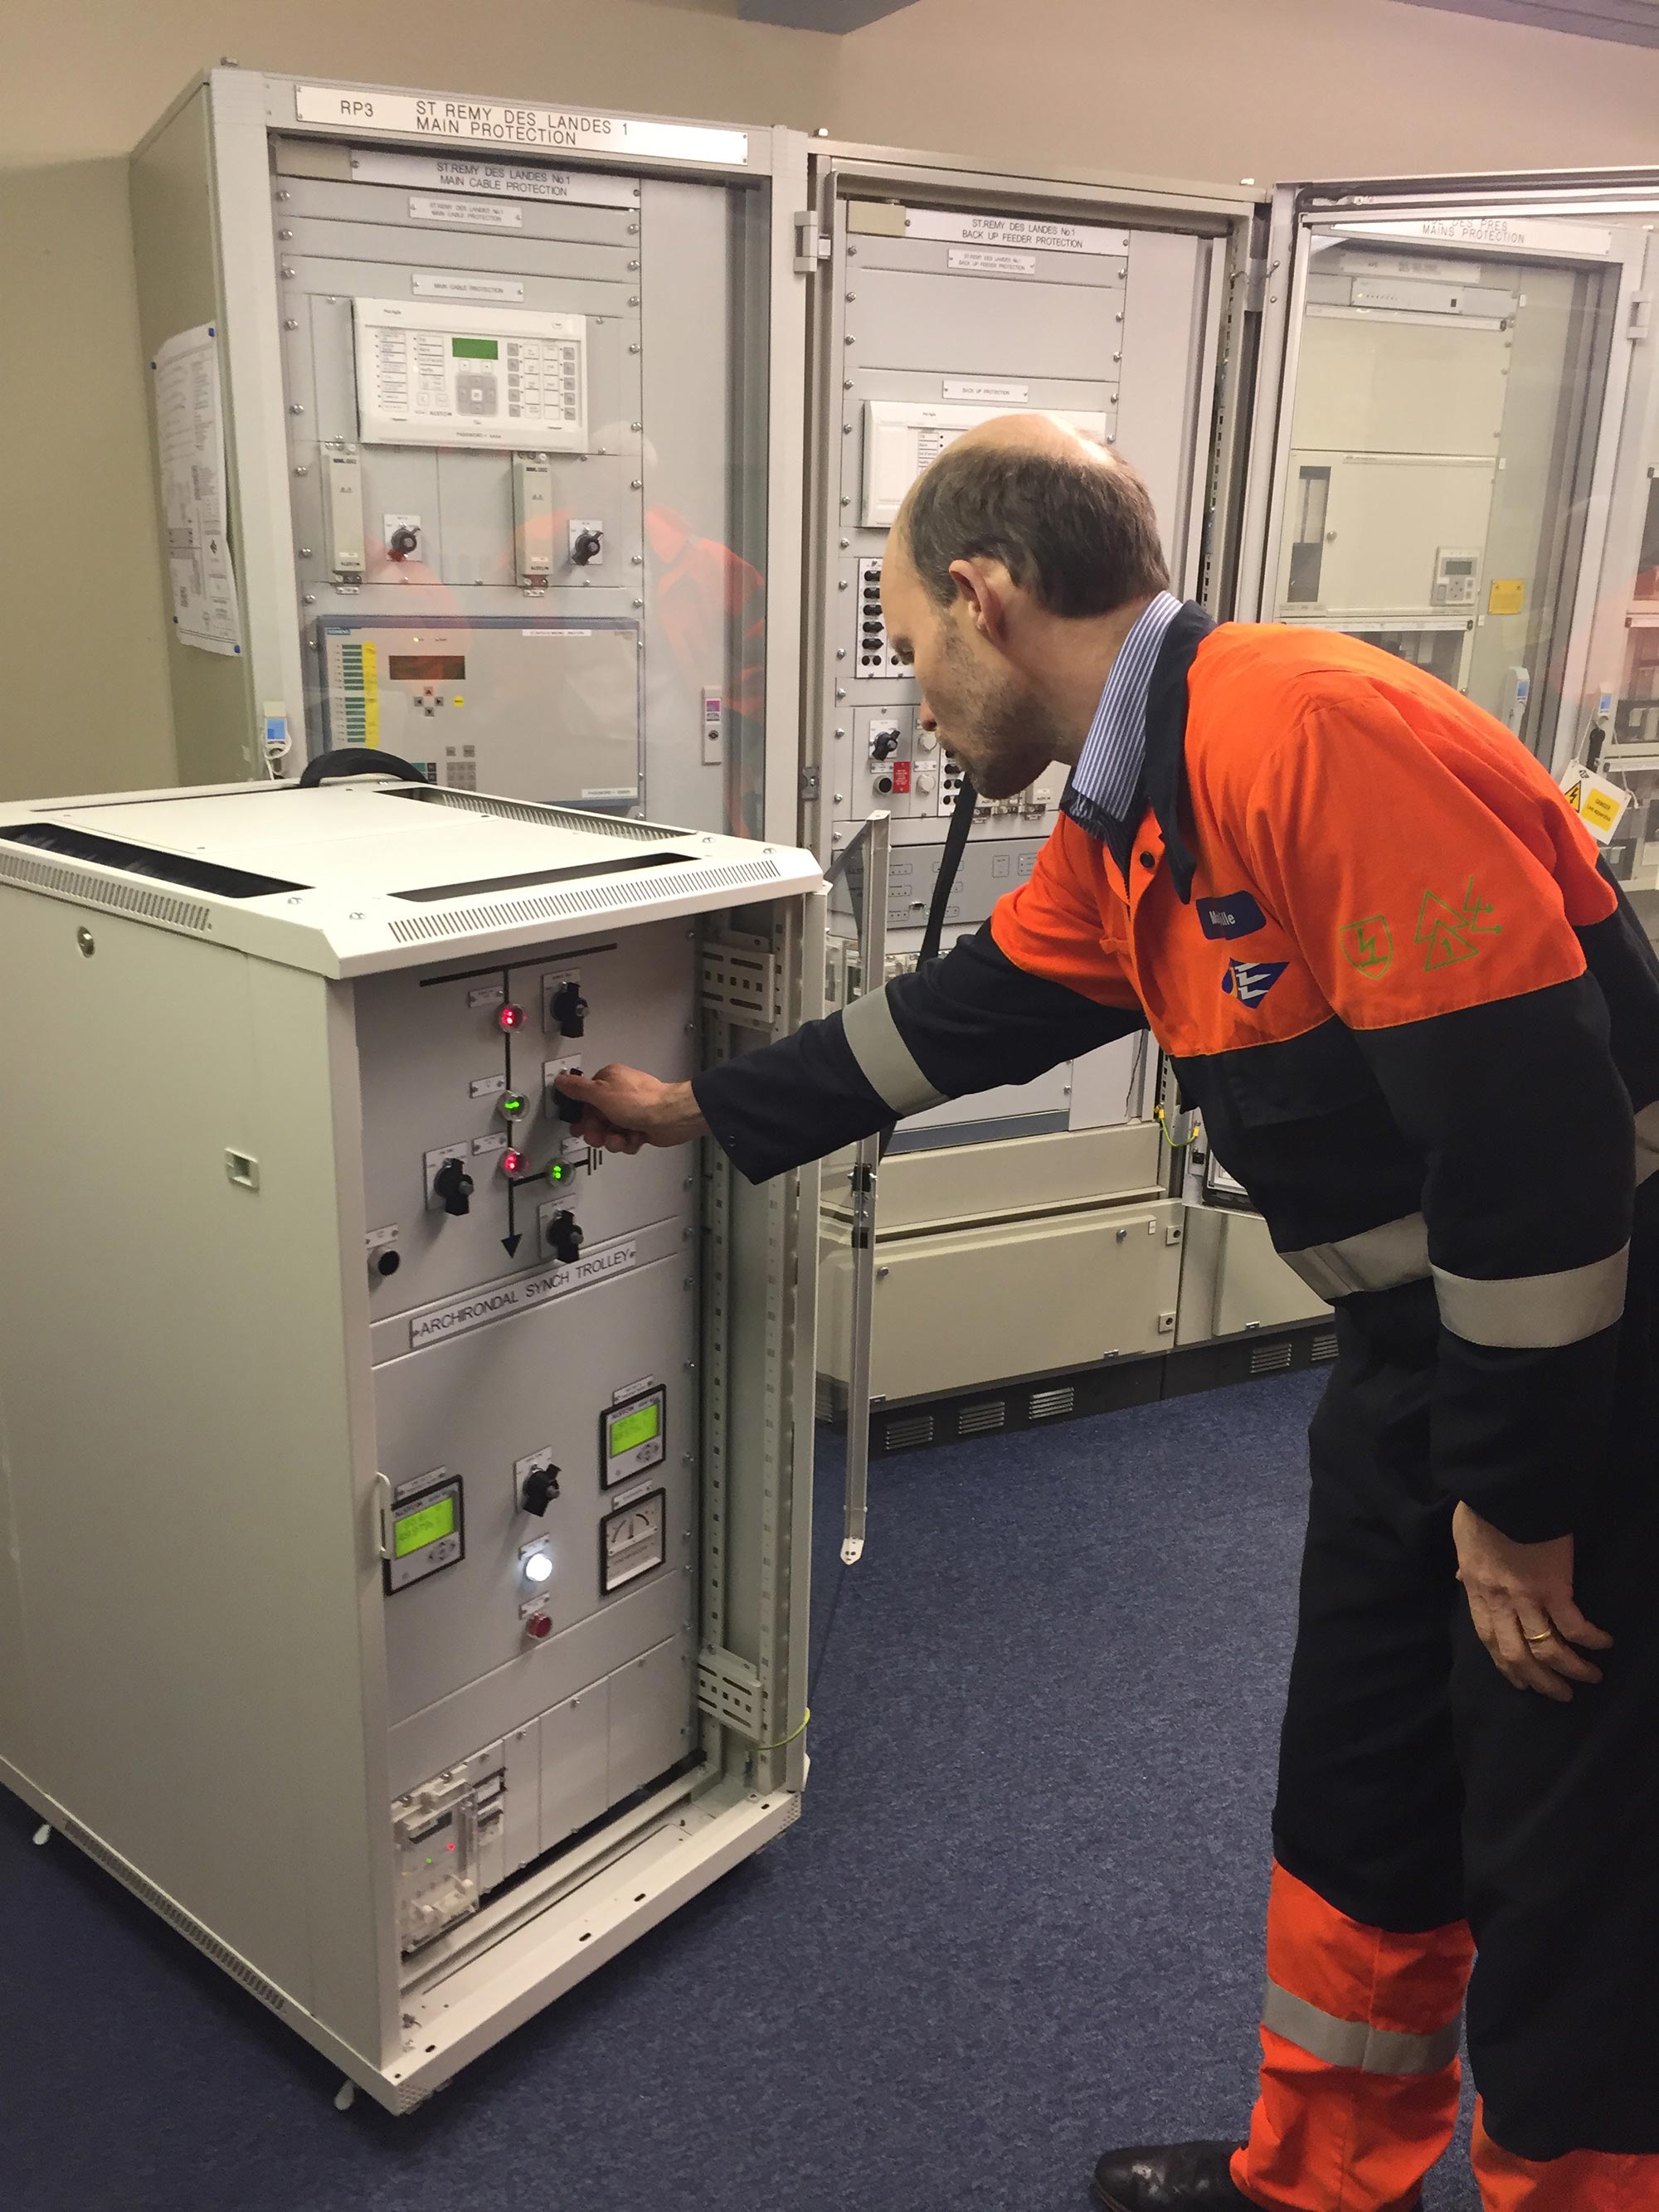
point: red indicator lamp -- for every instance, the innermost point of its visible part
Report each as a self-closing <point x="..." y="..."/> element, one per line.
<point x="510" y="1018"/>
<point x="511" y="1162"/>
<point x="538" y="1626"/>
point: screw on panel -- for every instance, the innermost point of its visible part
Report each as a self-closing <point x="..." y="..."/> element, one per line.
<point x="846" y="500"/>
<point x="300" y="469"/>
<point x="288" y="273"/>
<point x="636" y="484"/>
<point x="632" y="349"/>
<point x="290" y="322"/>
<point x="86" y="944"/>
<point x="284" y="196"/>
<point x="285" y="233"/>
<point x="305" y="552"/>
<point x="294" y="407"/>
<point x="849" y="340"/>
<point x="852" y="296"/>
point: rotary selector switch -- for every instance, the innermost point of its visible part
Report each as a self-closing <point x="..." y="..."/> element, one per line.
<point x="453" y="1185"/>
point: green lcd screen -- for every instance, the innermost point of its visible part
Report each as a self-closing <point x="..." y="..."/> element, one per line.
<point x="638" y="1427"/>
<point x="416" y="1530"/>
<point x="474" y="348"/>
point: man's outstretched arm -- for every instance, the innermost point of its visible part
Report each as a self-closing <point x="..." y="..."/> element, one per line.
<point x="969" y="1022"/>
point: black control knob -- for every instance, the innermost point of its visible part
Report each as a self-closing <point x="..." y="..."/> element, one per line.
<point x="388" y="1260"/>
<point x="403" y="541"/>
<point x="884" y="744"/>
<point x="564" y="1235"/>
<point x="540" y="1487"/>
<point x="588" y="546"/>
<point x="570" y="1010"/>
<point x="454" y="1186"/>
<point x="567" y="1108"/>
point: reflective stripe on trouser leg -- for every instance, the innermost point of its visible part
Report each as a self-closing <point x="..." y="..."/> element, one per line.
<point x="1583" y="2181"/>
<point x="1359" y="2071"/>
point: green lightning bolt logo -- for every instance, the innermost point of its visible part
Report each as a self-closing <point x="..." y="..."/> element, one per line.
<point x="1368" y="944"/>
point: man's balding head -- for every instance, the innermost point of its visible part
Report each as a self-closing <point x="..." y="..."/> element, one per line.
<point x="1072" y="526"/>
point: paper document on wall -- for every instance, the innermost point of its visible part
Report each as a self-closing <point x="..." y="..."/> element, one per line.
<point x="190" y="423"/>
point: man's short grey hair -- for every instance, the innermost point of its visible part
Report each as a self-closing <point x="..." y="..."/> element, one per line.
<point x="1081" y="537"/>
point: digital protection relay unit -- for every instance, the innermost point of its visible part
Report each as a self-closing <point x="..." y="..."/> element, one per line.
<point x="408" y="1599"/>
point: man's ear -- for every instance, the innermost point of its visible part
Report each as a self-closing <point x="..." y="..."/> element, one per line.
<point x="982" y="588"/>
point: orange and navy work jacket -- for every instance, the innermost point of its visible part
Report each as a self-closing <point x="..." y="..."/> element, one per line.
<point x="1416" y="1015"/>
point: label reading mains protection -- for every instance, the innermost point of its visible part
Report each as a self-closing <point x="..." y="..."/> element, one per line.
<point x="511" y="122"/>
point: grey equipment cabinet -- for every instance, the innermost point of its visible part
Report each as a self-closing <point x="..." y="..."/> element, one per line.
<point x="405" y="1585"/>
<point x="940" y="296"/>
<point x="1447" y="454"/>
<point x="512" y="440"/>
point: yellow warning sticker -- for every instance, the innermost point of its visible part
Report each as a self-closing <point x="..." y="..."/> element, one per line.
<point x="371" y="694"/>
<point x="1507" y="596"/>
<point x="1599" y="803"/>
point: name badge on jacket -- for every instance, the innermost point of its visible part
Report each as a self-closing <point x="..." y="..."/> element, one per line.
<point x="1235" y="913"/>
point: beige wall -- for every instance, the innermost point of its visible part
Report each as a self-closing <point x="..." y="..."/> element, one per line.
<point x="1197" y="88"/>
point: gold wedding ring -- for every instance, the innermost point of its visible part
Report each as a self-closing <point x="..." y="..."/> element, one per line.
<point x="1543" y="1636"/>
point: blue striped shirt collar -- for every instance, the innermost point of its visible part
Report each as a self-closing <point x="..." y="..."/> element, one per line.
<point x="1101" y="787"/>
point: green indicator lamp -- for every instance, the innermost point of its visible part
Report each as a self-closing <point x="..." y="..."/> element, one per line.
<point x="557" y="1172"/>
<point x="512" y="1105"/>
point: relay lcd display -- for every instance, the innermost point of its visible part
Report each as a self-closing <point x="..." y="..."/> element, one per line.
<point x="632" y="1433"/>
<point x="426" y="1534"/>
<point x="424" y="1526"/>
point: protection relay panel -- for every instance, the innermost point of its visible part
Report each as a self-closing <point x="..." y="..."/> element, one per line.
<point x="494" y="379"/>
<point x="540" y="704"/>
<point x="432" y="375"/>
<point x="464" y="1579"/>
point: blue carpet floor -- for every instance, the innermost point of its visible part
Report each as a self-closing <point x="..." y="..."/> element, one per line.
<point x="1020" y="1919"/>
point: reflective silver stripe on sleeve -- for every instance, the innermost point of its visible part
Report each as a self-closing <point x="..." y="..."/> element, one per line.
<point x="1375" y="1260"/>
<point x="1355" y="2042"/>
<point x="1535" y="1312"/>
<point x="1647" y="1142"/>
<point x="887" y="1062"/>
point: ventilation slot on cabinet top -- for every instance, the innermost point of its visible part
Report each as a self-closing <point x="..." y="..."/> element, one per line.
<point x="1324" y="1347"/>
<point x="1269" y="1358"/>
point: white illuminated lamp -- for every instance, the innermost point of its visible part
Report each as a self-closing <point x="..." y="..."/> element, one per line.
<point x="538" y="1566"/>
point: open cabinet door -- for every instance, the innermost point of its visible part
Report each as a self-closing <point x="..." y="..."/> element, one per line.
<point x="1445" y="367"/>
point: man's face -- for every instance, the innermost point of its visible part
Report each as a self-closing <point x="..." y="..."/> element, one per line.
<point x="986" y="717"/>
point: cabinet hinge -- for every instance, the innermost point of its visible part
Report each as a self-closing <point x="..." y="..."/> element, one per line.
<point x="1641" y="318"/>
<point x="812" y="783"/>
<point x="811" y="246"/>
<point x="1255" y="287"/>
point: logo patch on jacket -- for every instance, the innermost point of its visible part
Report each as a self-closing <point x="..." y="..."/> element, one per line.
<point x="1235" y="914"/>
<point x="1250" y="981"/>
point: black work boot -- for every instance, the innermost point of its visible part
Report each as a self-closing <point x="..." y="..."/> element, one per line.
<point x="1191" y="2177"/>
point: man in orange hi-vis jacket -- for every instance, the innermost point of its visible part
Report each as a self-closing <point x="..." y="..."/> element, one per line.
<point x="1422" y="1029"/>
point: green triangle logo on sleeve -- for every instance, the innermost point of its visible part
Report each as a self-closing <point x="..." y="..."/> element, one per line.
<point x="1451" y="933"/>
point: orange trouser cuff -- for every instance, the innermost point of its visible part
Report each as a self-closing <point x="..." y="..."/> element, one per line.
<point x="1583" y="2181"/>
<point x="1359" y="2071"/>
